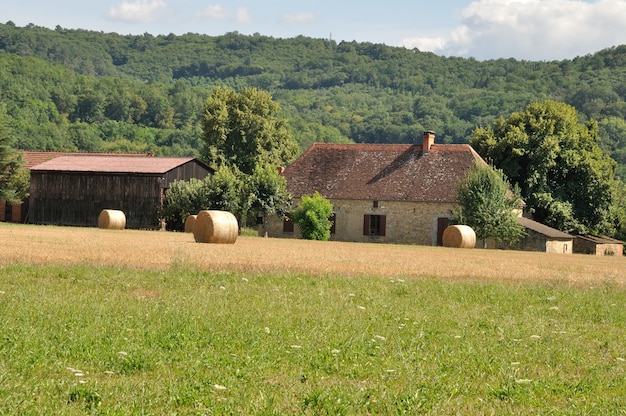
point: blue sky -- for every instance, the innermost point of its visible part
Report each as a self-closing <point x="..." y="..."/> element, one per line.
<point x="483" y="29"/>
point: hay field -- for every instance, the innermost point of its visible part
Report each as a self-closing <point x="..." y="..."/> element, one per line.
<point x="152" y="250"/>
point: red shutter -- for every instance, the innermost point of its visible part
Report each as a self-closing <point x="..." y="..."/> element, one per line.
<point x="366" y="224"/>
<point x="383" y="225"/>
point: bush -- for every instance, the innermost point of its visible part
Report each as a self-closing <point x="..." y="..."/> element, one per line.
<point x="312" y="216"/>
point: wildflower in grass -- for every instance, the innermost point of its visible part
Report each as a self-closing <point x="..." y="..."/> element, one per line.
<point x="222" y="288"/>
<point x="554" y="308"/>
<point x="267" y="330"/>
<point x="79" y="374"/>
<point x="219" y="387"/>
<point x="535" y="336"/>
<point x="122" y="355"/>
<point x="380" y="337"/>
<point x="296" y="347"/>
<point x="335" y="352"/>
<point x="361" y="307"/>
<point x="620" y="359"/>
<point x="244" y="279"/>
<point x="109" y="373"/>
<point x="523" y="381"/>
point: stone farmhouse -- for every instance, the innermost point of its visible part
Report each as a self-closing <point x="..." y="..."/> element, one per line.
<point x="384" y="193"/>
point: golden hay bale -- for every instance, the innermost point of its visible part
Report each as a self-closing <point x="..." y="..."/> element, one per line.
<point x="189" y="222"/>
<point x="219" y="227"/>
<point x="112" y="219"/>
<point x="459" y="236"/>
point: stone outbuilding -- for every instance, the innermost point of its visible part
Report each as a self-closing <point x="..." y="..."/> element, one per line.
<point x="385" y="193"/>
<point x="540" y="237"/>
<point x="598" y="245"/>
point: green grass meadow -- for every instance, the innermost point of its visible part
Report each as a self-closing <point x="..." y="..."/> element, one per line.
<point x="87" y="340"/>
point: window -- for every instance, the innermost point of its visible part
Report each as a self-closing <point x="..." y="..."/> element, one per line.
<point x="375" y="204"/>
<point x="333" y="220"/>
<point x="374" y="225"/>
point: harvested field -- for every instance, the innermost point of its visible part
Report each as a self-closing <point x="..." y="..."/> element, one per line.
<point x="163" y="250"/>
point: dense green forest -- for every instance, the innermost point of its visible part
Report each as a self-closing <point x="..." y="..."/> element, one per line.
<point x="69" y="89"/>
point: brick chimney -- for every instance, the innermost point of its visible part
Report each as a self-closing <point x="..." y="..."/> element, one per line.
<point x="427" y="140"/>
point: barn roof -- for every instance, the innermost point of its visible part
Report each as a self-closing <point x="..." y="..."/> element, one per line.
<point x="35" y="157"/>
<point x="543" y="229"/>
<point x="114" y="164"/>
<point x="389" y="172"/>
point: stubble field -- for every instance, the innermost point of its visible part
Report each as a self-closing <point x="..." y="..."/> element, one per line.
<point x="43" y="245"/>
<point x="139" y="322"/>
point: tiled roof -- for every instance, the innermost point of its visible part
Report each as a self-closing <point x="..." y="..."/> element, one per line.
<point x="112" y="164"/>
<point x="33" y="158"/>
<point x="388" y="172"/>
<point x="542" y="229"/>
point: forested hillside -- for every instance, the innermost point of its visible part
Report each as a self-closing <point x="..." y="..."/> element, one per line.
<point x="84" y="90"/>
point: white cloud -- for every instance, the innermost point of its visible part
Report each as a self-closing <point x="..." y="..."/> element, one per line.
<point x="299" y="18"/>
<point x="531" y="29"/>
<point x="213" y="12"/>
<point x="243" y="15"/>
<point x="137" y="11"/>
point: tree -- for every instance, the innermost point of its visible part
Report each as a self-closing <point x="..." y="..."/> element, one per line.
<point x="265" y="194"/>
<point x="312" y="216"/>
<point x="244" y="130"/>
<point x="13" y="179"/>
<point x="564" y="177"/>
<point x="223" y="191"/>
<point x="488" y="205"/>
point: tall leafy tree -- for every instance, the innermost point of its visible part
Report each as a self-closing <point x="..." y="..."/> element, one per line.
<point x="13" y="181"/>
<point x="564" y="177"/>
<point x="488" y="205"/>
<point x="244" y="130"/>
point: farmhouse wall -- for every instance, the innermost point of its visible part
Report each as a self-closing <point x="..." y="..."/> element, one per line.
<point x="406" y="222"/>
<point x="63" y="198"/>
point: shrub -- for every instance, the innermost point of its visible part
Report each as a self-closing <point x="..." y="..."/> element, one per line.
<point x="312" y="216"/>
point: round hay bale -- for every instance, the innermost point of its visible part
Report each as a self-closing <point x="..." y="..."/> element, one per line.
<point x="112" y="219"/>
<point x="189" y="222"/>
<point x="218" y="227"/>
<point x="459" y="236"/>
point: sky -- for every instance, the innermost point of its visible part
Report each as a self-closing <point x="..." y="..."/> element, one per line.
<point x="535" y="30"/>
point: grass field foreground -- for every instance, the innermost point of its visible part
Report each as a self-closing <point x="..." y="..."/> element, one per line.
<point x="188" y="331"/>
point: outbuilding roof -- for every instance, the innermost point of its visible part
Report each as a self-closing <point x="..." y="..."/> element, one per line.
<point x="114" y="164"/>
<point x="390" y="172"/>
<point x="543" y="229"/>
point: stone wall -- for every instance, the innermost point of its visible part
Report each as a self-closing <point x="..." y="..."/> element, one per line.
<point x="405" y="222"/>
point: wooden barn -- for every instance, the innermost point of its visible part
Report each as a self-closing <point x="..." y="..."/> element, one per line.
<point x="73" y="190"/>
